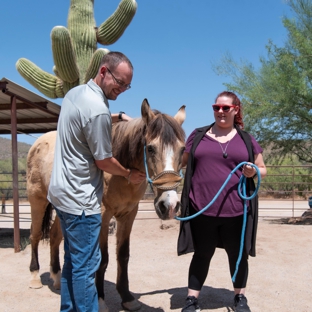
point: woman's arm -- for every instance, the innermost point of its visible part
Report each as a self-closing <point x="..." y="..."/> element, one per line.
<point x="249" y="171"/>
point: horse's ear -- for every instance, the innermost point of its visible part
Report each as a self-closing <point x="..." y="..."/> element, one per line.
<point x="180" y="115"/>
<point x="146" y="112"/>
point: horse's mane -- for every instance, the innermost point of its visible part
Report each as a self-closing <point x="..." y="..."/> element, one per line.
<point x="128" y="138"/>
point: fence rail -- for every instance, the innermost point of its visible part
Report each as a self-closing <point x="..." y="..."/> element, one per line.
<point x="284" y="192"/>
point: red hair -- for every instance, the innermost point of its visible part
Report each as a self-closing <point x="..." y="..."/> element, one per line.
<point x="238" y="119"/>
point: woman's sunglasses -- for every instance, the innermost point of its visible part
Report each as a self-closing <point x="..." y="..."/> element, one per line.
<point x="225" y="108"/>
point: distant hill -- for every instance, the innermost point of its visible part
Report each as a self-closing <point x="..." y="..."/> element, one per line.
<point x="6" y="149"/>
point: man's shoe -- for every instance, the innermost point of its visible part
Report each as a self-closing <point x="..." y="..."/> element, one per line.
<point x="240" y="303"/>
<point x="191" y="305"/>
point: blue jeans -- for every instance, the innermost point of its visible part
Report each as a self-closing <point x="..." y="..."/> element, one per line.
<point x="81" y="260"/>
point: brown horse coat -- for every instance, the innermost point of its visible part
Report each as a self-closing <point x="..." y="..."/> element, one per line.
<point x="163" y="140"/>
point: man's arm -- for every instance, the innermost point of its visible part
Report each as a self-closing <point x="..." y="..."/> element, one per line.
<point x="111" y="165"/>
<point x="121" y="116"/>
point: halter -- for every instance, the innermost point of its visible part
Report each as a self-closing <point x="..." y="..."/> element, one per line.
<point x="166" y="180"/>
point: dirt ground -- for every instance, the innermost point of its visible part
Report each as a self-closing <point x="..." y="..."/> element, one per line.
<point x="280" y="277"/>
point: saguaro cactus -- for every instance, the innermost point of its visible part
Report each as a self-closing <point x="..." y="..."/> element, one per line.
<point x="75" y="54"/>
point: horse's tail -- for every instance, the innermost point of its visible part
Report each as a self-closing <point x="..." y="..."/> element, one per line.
<point x="46" y="222"/>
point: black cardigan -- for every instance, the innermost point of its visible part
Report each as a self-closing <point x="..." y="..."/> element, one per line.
<point x="185" y="241"/>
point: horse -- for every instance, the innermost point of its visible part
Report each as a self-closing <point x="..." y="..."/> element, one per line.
<point x="153" y="143"/>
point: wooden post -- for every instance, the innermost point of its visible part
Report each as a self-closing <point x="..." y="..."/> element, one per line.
<point x="3" y="204"/>
<point x="17" y="238"/>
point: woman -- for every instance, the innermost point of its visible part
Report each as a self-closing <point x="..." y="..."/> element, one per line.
<point x="211" y="153"/>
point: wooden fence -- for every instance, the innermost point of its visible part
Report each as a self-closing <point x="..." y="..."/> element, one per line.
<point x="285" y="192"/>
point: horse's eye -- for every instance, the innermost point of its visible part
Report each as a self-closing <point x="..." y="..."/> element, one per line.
<point x="180" y="156"/>
<point x="151" y="149"/>
<point x="182" y="150"/>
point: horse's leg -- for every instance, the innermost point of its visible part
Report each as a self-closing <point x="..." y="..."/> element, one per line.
<point x="38" y="207"/>
<point x="124" y="227"/>
<point x="55" y="240"/>
<point x="103" y="240"/>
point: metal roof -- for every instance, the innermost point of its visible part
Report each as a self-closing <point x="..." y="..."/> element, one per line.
<point x="34" y="113"/>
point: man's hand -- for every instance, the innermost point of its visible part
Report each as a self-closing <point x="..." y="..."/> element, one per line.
<point x="136" y="176"/>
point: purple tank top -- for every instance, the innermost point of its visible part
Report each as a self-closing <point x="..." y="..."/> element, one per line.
<point x="211" y="170"/>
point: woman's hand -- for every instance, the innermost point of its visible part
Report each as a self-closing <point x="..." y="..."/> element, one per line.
<point x="249" y="171"/>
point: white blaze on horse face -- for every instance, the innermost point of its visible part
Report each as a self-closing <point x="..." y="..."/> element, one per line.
<point x="168" y="158"/>
<point x="168" y="201"/>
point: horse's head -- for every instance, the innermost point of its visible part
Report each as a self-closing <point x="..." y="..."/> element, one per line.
<point x="163" y="148"/>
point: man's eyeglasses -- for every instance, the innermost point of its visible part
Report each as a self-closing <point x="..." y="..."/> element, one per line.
<point x="225" y="108"/>
<point x="119" y="82"/>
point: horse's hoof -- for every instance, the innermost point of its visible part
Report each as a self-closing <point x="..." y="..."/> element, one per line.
<point x="134" y="305"/>
<point x="35" y="281"/>
<point x="35" y="284"/>
<point x="57" y="286"/>
<point x="56" y="279"/>
<point x="102" y="306"/>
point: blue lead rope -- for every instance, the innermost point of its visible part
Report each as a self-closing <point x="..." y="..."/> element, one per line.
<point x="242" y="193"/>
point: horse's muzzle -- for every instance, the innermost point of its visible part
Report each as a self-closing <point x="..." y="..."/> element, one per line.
<point x="167" y="205"/>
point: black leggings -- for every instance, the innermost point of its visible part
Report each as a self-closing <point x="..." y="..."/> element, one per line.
<point x="207" y="232"/>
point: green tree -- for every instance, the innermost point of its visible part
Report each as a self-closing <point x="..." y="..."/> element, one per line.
<point x="277" y="97"/>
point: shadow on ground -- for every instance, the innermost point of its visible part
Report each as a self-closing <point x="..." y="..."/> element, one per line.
<point x="209" y="299"/>
<point x="47" y="281"/>
<point x="305" y="219"/>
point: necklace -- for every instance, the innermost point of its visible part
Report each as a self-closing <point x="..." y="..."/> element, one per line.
<point x="225" y="155"/>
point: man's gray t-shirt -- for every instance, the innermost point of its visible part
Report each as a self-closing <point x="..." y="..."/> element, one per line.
<point x="83" y="136"/>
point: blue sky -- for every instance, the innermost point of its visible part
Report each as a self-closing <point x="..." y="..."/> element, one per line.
<point x="171" y="43"/>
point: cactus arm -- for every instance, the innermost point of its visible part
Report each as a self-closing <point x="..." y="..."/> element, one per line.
<point x="66" y="86"/>
<point x="64" y="55"/>
<point x="95" y="63"/>
<point x="81" y="26"/>
<point x="46" y="83"/>
<point x="74" y="48"/>
<point x="55" y="72"/>
<point x="112" y="29"/>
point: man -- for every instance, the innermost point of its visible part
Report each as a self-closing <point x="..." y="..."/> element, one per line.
<point x="83" y="150"/>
